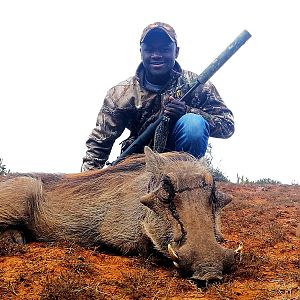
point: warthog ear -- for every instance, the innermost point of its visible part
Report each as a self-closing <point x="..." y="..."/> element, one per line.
<point x="207" y="179"/>
<point x="222" y="199"/>
<point x="154" y="161"/>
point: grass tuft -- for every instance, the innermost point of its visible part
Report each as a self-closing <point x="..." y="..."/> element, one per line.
<point x="70" y="287"/>
<point x="11" y="249"/>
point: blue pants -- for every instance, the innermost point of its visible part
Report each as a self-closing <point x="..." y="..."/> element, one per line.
<point x="189" y="134"/>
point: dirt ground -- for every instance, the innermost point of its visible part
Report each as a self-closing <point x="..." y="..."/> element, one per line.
<point x="265" y="218"/>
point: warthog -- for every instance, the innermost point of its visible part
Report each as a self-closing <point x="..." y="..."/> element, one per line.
<point x="166" y="202"/>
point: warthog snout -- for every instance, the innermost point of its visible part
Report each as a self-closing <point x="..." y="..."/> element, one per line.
<point x="209" y="276"/>
<point x="204" y="267"/>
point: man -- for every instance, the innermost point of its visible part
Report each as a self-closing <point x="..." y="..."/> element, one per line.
<point x="155" y="89"/>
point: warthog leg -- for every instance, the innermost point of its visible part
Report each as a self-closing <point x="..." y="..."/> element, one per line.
<point x="13" y="236"/>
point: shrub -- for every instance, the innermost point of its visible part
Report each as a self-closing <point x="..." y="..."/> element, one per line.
<point x="245" y="180"/>
<point x="266" y="181"/>
<point x="217" y="173"/>
<point x="3" y="169"/>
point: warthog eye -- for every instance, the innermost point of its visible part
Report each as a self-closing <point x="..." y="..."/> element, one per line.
<point x="166" y="191"/>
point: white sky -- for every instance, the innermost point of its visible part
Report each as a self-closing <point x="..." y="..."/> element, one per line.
<point x="58" y="59"/>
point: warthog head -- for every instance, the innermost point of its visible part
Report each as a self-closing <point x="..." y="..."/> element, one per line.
<point x="183" y="203"/>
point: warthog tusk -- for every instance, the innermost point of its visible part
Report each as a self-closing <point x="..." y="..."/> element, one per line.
<point x="239" y="248"/>
<point x="172" y="252"/>
<point x="176" y="264"/>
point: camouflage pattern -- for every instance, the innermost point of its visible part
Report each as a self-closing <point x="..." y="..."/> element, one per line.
<point x="130" y="105"/>
<point x="169" y="30"/>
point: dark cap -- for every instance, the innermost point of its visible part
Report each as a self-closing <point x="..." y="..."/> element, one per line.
<point x="166" y="28"/>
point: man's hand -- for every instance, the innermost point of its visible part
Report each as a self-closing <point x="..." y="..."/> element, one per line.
<point x="175" y="108"/>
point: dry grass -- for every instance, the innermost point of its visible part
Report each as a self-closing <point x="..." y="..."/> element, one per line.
<point x="70" y="287"/>
<point x="144" y="282"/>
<point x="7" y="288"/>
<point x="11" y="249"/>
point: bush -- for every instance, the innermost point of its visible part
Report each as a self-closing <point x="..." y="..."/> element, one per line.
<point x="245" y="180"/>
<point x="219" y="175"/>
<point x="266" y="181"/>
<point x="216" y="172"/>
<point x="3" y="170"/>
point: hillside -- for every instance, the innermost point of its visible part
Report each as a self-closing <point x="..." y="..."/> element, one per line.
<point x="265" y="218"/>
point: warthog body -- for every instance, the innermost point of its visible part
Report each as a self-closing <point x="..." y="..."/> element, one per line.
<point x="162" y="201"/>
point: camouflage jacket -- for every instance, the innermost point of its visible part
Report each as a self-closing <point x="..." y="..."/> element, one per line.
<point x="130" y="105"/>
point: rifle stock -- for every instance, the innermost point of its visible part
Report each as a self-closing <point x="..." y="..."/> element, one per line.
<point x="147" y="135"/>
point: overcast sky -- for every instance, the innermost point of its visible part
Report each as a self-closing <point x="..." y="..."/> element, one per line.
<point x="59" y="58"/>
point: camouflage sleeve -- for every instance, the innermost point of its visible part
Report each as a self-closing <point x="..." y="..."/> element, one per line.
<point x="109" y="126"/>
<point x="208" y="103"/>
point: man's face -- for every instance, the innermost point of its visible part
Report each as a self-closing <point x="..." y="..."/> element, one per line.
<point x="158" y="54"/>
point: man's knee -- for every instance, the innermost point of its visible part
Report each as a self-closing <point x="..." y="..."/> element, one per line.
<point x="193" y="126"/>
<point x="190" y="134"/>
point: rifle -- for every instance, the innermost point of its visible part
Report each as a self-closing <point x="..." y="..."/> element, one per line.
<point x="147" y="135"/>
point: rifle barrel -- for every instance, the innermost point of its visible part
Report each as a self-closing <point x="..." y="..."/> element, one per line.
<point x="239" y="41"/>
